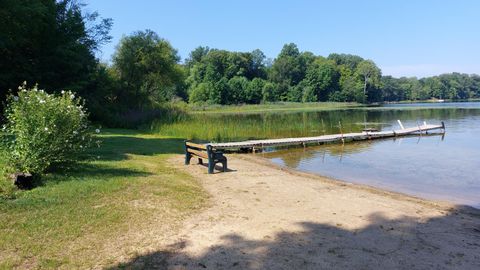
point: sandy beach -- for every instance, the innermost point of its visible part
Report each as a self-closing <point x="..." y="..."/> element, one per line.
<point x="266" y="217"/>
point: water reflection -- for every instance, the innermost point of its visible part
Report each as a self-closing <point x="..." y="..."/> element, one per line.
<point x="292" y="157"/>
<point x="434" y="167"/>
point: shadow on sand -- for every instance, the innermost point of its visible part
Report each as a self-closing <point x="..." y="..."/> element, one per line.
<point x="451" y="241"/>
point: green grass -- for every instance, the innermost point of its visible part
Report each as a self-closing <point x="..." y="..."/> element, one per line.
<point x="104" y="208"/>
<point x="273" y="107"/>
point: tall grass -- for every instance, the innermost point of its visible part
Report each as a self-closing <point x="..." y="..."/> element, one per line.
<point x="232" y="127"/>
<point x="219" y="127"/>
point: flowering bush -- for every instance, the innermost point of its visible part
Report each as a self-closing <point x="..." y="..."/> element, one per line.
<point x="46" y="129"/>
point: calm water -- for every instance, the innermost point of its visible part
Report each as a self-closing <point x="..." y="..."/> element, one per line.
<point x="430" y="166"/>
<point x="437" y="167"/>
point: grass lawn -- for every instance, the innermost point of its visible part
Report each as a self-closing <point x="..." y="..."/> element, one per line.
<point x="117" y="205"/>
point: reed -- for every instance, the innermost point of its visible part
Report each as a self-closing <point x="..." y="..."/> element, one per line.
<point x="232" y="127"/>
<point x="225" y="127"/>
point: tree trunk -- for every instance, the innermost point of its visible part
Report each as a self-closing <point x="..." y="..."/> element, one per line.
<point x="365" y="86"/>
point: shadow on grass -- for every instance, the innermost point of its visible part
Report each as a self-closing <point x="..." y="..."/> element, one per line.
<point x="88" y="171"/>
<point x="447" y="242"/>
<point x="118" y="147"/>
<point x="114" y="147"/>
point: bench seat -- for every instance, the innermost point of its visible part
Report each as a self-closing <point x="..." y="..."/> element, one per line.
<point x="205" y="152"/>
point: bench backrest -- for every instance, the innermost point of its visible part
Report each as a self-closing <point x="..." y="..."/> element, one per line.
<point x="196" y="149"/>
<point x="195" y="145"/>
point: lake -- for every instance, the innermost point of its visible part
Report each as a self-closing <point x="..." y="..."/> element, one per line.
<point x="436" y="167"/>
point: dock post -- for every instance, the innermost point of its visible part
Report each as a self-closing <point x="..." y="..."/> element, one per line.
<point x="443" y="127"/>
<point x="341" y="131"/>
<point x="400" y="123"/>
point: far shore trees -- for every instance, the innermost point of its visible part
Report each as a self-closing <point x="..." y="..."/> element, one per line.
<point x="370" y="74"/>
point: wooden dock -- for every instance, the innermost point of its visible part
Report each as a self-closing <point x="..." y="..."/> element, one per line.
<point x="365" y="135"/>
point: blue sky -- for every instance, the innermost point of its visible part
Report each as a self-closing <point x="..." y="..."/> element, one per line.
<point x="404" y="37"/>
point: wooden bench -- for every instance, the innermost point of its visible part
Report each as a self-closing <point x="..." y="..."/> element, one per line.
<point x="204" y="152"/>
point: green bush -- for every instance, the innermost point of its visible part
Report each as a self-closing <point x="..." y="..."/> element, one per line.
<point x="46" y="130"/>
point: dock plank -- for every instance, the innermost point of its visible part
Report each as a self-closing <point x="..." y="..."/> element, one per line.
<point x="326" y="138"/>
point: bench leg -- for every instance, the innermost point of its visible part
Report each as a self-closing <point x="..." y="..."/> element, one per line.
<point x="211" y="166"/>
<point x="188" y="156"/>
<point x="224" y="165"/>
<point x="200" y="161"/>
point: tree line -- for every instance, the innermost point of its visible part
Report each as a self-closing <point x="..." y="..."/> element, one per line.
<point x="223" y="77"/>
<point x="56" y="46"/>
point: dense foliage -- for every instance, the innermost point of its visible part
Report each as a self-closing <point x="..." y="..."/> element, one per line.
<point x="55" y="47"/>
<point x="45" y="130"/>
<point x="51" y="43"/>
<point x="147" y="68"/>
<point x="223" y="77"/>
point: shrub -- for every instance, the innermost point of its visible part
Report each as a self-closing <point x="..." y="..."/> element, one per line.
<point x="46" y="130"/>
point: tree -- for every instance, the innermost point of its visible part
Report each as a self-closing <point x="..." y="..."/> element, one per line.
<point x="350" y="86"/>
<point x="391" y="89"/>
<point x="237" y="88"/>
<point x="289" y="67"/>
<point x="258" y="64"/>
<point x="322" y="77"/>
<point x="238" y="71"/>
<point x="253" y="93"/>
<point x="369" y="72"/>
<point x="269" y="92"/>
<point x="52" y="43"/>
<point x="196" y="55"/>
<point x="200" y="93"/>
<point x="148" y="68"/>
<point x="348" y="60"/>
<point x="309" y="95"/>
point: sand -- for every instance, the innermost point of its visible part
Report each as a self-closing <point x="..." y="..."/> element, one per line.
<point x="266" y="217"/>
